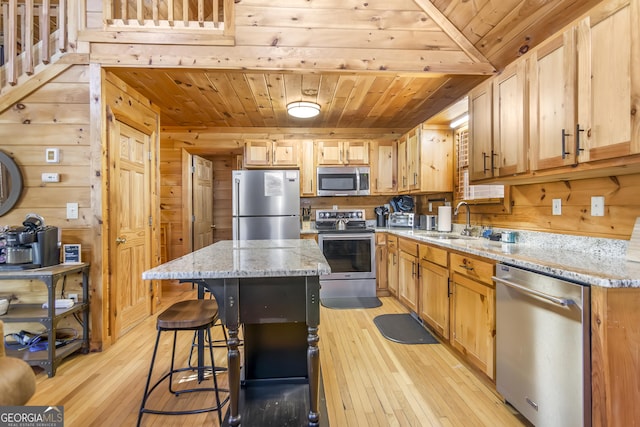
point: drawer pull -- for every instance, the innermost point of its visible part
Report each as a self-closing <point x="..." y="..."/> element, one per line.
<point x="466" y="267"/>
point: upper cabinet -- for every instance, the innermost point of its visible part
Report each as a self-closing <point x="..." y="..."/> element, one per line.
<point x="383" y="167"/>
<point x="552" y="102"/>
<point x="609" y="82"/>
<point x="509" y="131"/>
<point x="271" y="153"/>
<point x="343" y="153"/>
<point x="425" y="160"/>
<point x="572" y="103"/>
<point x="481" y="156"/>
<point x="584" y="99"/>
<point x="308" y="169"/>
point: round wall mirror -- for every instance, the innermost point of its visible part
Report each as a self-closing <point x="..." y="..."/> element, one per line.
<point x="10" y="183"/>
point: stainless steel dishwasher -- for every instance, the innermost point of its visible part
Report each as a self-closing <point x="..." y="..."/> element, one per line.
<point x="543" y="354"/>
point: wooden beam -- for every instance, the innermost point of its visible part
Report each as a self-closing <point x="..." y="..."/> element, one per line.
<point x="446" y="25"/>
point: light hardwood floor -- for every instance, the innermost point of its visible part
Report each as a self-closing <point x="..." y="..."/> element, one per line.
<point x="368" y="380"/>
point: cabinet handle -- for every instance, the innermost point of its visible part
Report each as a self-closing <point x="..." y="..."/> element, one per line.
<point x="413" y="269"/>
<point x="564" y="143"/>
<point x="578" y="130"/>
<point x="415" y="178"/>
<point x="493" y="162"/>
<point x="268" y="155"/>
<point x="466" y="265"/>
<point x="120" y="240"/>
<point x="484" y="162"/>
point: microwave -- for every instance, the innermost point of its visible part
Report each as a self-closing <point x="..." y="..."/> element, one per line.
<point x="343" y="181"/>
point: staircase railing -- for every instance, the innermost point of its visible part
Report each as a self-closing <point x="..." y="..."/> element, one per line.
<point x="38" y="33"/>
<point x="32" y="35"/>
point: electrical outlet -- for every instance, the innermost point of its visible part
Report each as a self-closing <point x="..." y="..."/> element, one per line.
<point x="597" y="206"/>
<point x="556" y="206"/>
<point x="74" y="297"/>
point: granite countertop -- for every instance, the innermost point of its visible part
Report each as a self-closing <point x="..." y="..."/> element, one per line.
<point x="246" y="258"/>
<point x="593" y="261"/>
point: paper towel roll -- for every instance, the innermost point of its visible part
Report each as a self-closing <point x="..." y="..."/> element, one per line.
<point x="444" y="218"/>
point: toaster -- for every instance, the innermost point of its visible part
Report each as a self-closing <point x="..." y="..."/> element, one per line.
<point x="401" y="219"/>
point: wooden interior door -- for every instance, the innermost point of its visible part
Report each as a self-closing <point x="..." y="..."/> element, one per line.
<point x="130" y="232"/>
<point x="203" y="224"/>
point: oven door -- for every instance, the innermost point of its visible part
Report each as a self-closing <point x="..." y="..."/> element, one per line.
<point x="350" y="255"/>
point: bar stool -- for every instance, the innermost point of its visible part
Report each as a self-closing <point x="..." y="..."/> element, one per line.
<point x="190" y="315"/>
<point x="219" y="343"/>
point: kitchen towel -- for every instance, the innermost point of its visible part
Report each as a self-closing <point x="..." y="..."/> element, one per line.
<point x="444" y="218"/>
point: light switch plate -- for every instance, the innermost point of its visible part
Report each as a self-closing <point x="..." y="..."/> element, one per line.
<point x="597" y="206"/>
<point x="72" y="211"/>
<point x="556" y="206"/>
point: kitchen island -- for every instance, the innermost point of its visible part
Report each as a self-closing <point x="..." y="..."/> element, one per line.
<point x="272" y="288"/>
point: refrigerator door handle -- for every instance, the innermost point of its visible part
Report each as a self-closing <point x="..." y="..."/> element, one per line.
<point x="237" y="209"/>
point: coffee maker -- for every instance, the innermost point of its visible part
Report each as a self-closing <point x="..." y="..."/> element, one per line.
<point x="29" y="246"/>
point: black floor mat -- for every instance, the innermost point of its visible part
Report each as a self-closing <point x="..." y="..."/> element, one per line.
<point x="403" y="329"/>
<point x="351" y="302"/>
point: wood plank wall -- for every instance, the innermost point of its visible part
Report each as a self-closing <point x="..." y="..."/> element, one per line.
<point x="531" y="207"/>
<point x="54" y="116"/>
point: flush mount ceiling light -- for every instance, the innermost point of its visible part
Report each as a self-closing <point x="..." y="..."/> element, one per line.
<point x="459" y="121"/>
<point x="303" y="110"/>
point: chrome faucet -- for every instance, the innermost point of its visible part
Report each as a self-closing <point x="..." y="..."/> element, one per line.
<point x="467" y="229"/>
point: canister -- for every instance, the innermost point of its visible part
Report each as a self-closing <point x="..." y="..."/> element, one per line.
<point x="508" y="237"/>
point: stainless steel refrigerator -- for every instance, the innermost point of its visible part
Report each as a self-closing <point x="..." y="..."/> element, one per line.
<point x="266" y="204"/>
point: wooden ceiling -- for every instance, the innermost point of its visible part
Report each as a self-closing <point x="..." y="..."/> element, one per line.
<point x="373" y="64"/>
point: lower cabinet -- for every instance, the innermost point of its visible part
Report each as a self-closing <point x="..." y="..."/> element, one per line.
<point x="473" y="325"/>
<point x="433" y="288"/>
<point x="392" y="265"/>
<point x="408" y="274"/>
<point x="382" y="288"/>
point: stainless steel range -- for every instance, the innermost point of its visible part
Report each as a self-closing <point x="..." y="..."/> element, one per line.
<point x="349" y="247"/>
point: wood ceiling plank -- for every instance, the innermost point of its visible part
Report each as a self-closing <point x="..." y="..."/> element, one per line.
<point x="347" y="38"/>
<point x="529" y="24"/>
<point x="259" y="85"/>
<point x="337" y="18"/>
<point x="246" y="99"/>
<point x="337" y="4"/>
<point x="278" y="96"/>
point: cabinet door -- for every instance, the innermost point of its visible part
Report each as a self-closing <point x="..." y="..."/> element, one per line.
<point x="434" y="297"/>
<point x="356" y="152"/>
<point x="285" y="153"/>
<point x="609" y="82"/>
<point x="257" y="153"/>
<point x="330" y="153"/>
<point x="383" y="167"/>
<point x="392" y="265"/>
<point x="381" y="262"/>
<point x="403" y="183"/>
<point x="473" y="322"/>
<point x="407" y="281"/>
<point x="413" y="159"/>
<point x="307" y="170"/>
<point x="436" y="167"/>
<point x="481" y="132"/>
<point x="509" y="137"/>
<point x="552" y="103"/>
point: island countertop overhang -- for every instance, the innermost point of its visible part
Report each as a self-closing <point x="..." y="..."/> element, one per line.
<point x="230" y="259"/>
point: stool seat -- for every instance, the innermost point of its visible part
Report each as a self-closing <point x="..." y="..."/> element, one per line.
<point x="191" y="314"/>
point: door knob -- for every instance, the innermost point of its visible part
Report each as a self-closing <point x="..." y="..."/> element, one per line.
<point x="121" y="240"/>
<point x="213" y="226"/>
